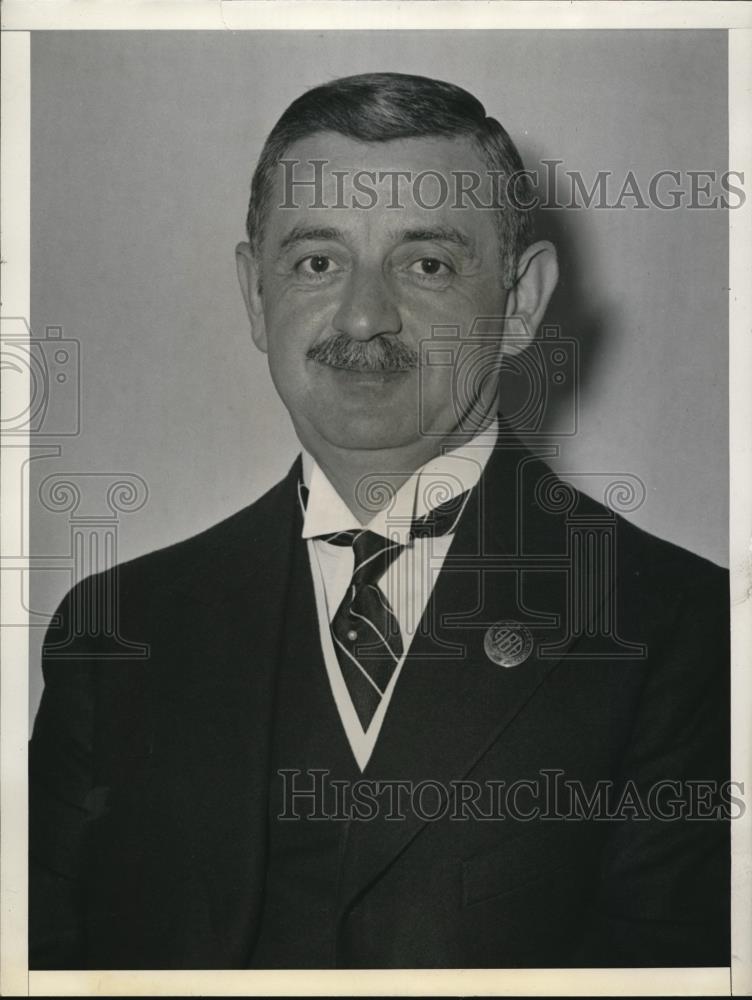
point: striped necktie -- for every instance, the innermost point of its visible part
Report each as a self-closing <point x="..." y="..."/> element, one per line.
<point x="365" y="631"/>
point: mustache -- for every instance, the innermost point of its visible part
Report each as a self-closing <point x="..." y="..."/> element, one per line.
<point x="377" y="355"/>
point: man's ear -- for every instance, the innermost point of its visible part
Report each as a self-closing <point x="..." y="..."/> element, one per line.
<point x="537" y="275"/>
<point x="250" y="286"/>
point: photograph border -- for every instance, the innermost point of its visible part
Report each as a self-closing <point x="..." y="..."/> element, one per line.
<point x="19" y="19"/>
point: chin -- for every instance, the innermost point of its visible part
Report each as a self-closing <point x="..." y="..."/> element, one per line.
<point x="368" y="433"/>
<point x="364" y="441"/>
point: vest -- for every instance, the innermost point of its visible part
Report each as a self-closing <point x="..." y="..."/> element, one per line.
<point x="306" y="839"/>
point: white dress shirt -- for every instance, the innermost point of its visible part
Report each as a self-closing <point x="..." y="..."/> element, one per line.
<point x="409" y="581"/>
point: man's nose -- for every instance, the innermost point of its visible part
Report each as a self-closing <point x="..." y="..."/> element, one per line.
<point x="367" y="308"/>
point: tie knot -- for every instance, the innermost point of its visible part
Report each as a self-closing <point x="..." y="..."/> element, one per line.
<point x="373" y="554"/>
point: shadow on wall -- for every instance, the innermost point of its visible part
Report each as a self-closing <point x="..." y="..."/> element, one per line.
<point x="543" y="389"/>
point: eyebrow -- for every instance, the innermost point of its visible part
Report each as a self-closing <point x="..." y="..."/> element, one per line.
<point x="299" y="234"/>
<point x="434" y="234"/>
<point x="437" y="234"/>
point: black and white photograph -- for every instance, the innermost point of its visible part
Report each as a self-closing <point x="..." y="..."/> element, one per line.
<point x="375" y="509"/>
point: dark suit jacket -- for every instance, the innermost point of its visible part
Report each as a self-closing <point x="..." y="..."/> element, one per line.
<point x="149" y="773"/>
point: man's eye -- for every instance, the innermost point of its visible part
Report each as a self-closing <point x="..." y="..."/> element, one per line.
<point x="430" y="266"/>
<point x="317" y="263"/>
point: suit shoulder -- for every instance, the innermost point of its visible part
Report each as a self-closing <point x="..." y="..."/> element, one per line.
<point x="654" y="560"/>
<point x="663" y="560"/>
<point x="207" y="548"/>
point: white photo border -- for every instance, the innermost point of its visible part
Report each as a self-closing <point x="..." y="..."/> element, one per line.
<point x="19" y="19"/>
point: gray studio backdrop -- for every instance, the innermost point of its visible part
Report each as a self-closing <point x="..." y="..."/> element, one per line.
<point x="143" y="146"/>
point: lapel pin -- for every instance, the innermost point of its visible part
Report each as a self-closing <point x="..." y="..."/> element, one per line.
<point x="508" y="643"/>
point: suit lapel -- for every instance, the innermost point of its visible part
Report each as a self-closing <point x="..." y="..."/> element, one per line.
<point x="233" y="604"/>
<point x="452" y="702"/>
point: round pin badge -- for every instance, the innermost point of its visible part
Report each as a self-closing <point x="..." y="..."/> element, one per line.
<point x="508" y="643"/>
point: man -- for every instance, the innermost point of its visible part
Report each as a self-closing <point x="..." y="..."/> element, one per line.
<point x="421" y="704"/>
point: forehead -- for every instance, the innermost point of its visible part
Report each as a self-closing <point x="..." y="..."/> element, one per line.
<point x="382" y="185"/>
<point x="442" y="153"/>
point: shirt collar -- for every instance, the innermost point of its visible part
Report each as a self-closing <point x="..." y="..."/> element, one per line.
<point x="442" y="478"/>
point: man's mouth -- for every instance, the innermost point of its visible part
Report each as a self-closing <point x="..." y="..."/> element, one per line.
<point x="370" y="369"/>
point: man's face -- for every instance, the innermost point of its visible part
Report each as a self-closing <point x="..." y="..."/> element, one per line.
<point x="348" y="294"/>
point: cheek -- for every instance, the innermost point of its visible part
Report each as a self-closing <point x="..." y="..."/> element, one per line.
<point x="436" y="386"/>
<point x="297" y="318"/>
<point x="458" y="306"/>
<point x="458" y="373"/>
